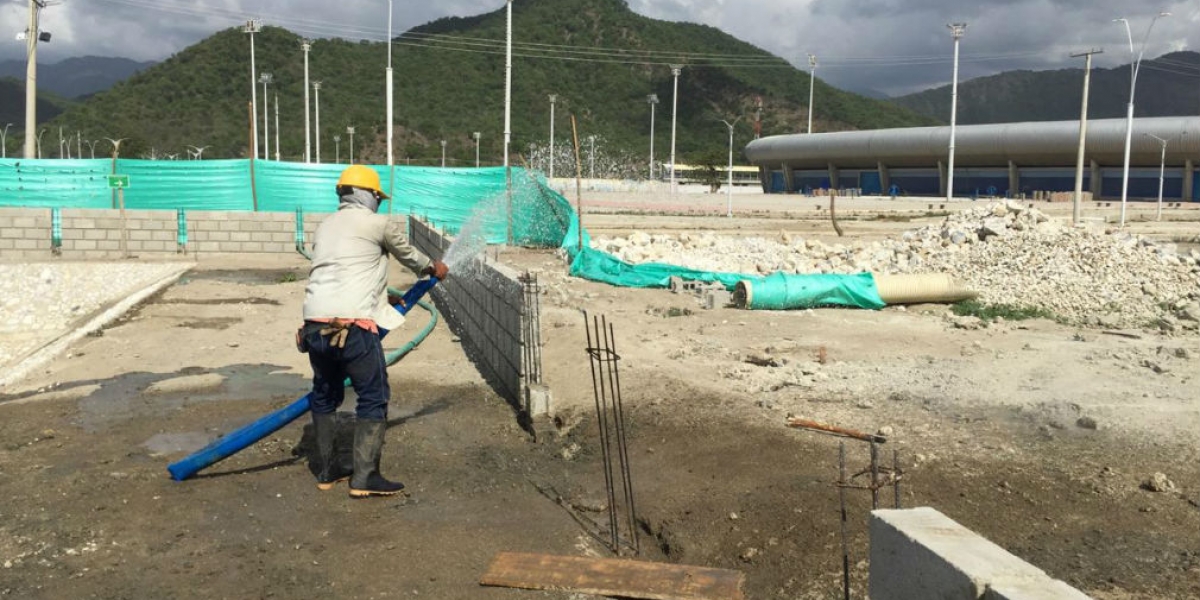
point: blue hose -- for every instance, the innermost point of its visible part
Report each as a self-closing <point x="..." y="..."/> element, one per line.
<point x="235" y="442"/>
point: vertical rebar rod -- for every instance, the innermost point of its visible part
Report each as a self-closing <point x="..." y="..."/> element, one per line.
<point x="596" y="361"/>
<point x="896" y="477"/>
<point x="874" y="475"/>
<point x="842" y="498"/>
<point x="622" y="441"/>
<point x="537" y="327"/>
<point x="611" y="435"/>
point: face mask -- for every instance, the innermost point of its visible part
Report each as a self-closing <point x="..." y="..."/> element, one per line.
<point x="363" y="197"/>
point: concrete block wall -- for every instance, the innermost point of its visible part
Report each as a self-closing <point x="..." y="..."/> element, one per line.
<point x="485" y="309"/>
<point x="921" y="553"/>
<point x="96" y="233"/>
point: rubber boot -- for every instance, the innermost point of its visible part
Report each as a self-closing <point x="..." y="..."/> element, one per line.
<point x="329" y="471"/>
<point x="368" y="446"/>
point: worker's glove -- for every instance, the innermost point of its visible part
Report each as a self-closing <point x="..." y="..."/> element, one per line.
<point x="337" y="331"/>
<point x="301" y="343"/>
<point x="394" y="299"/>
<point x="436" y="269"/>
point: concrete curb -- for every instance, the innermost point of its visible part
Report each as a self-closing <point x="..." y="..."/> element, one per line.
<point x="46" y="353"/>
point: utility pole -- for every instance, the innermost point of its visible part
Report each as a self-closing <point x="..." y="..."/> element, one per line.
<point x="276" y="126"/>
<point x="729" y="191"/>
<point x="957" y="30"/>
<point x="266" y="80"/>
<point x="553" y="99"/>
<point x="1083" y="119"/>
<point x="476" y="135"/>
<point x="350" y="131"/>
<point x="675" y="70"/>
<point x="652" y="99"/>
<point x="337" y="149"/>
<point x="4" y="141"/>
<point x="306" y="47"/>
<point x="443" y="154"/>
<point x="33" y="35"/>
<point x="252" y="27"/>
<point x="812" y="87"/>
<point x="316" y="85"/>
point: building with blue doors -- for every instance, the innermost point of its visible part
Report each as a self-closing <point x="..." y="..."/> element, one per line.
<point x="1004" y="159"/>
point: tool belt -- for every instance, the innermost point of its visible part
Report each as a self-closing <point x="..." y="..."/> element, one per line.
<point x="337" y="329"/>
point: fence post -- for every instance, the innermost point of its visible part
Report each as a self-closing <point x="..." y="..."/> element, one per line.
<point x="181" y="234"/>
<point x="300" y="230"/>
<point x="56" y="231"/>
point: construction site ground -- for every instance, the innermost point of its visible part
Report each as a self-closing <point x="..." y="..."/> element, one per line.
<point x="1037" y="435"/>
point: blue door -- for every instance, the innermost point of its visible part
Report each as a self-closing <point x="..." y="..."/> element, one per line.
<point x="870" y="183"/>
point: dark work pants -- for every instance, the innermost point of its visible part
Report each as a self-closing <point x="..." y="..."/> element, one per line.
<point x="362" y="360"/>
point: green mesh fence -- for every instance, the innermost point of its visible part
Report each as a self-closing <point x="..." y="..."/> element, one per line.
<point x="453" y="199"/>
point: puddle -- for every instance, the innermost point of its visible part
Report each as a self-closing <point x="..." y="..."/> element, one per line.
<point x="217" y="323"/>
<point x="175" y="443"/>
<point x="246" y="276"/>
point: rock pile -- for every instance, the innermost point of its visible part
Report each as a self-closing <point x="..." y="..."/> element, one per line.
<point x="1009" y="253"/>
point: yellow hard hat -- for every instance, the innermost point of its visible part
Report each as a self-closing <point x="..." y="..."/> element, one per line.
<point x="362" y="177"/>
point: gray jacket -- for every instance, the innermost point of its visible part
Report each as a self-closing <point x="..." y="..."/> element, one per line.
<point x="348" y="278"/>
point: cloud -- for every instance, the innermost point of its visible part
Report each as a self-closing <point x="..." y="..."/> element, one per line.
<point x="891" y="45"/>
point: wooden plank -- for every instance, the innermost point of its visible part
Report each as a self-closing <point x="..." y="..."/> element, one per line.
<point x="613" y="577"/>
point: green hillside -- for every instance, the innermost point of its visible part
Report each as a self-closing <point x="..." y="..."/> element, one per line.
<point x="448" y="87"/>
<point x="12" y="110"/>
<point x="1166" y="87"/>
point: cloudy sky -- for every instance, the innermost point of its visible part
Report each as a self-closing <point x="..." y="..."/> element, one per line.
<point x="894" y="46"/>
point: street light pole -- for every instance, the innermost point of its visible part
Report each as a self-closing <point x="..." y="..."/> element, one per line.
<point x="675" y="70"/>
<point x="350" y="132"/>
<point x="316" y="85"/>
<point x="1162" y="168"/>
<point x="508" y="67"/>
<point x="553" y="99"/>
<point x="1134" y="67"/>
<point x="812" y="87"/>
<point x="652" y="99"/>
<point x="957" y="30"/>
<point x="591" y="157"/>
<point x="337" y="149"/>
<point x="391" y="160"/>
<point x="32" y="37"/>
<point x="276" y="126"/>
<point x="252" y="27"/>
<point x="476" y="135"/>
<point x="729" y="191"/>
<point x="39" y="142"/>
<point x="266" y="80"/>
<point x="443" y="154"/>
<point x="1083" y="112"/>
<point x="4" y="141"/>
<point x="306" y="47"/>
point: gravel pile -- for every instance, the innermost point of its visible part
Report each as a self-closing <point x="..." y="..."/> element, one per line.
<point x="41" y="301"/>
<point x="1009" y="253"/>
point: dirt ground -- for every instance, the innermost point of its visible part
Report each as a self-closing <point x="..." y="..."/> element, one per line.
<point x="1036" y="435"/>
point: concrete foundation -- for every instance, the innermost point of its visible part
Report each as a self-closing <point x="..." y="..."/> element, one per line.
<point x="920" y="553"/>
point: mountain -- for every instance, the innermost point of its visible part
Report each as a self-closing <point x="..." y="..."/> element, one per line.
<point x="595" y="54"/>
<point x="76" y="77"/>
<point x="1166" y="86"/>
<point x="12" y="110"/>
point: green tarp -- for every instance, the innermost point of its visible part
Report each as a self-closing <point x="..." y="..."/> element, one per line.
<point x="450" y="198"/>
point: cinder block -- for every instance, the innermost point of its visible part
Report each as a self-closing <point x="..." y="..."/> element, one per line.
<point x="230" y="246"/>
<point x="24" y="221"/>
<point x="282" y="238"/>
<point x="717" y="299"/>
<point x="110" y="223"/>
<point x="252" y="247"/>
<point x="12" y="233"/>
<point x="1034" y="590"/>
<point x="85" y="245"/>
<point x="139" y="235"/>
<point x="114" y="234"/>
<point x="162" y="236"/>
<point x="921" y="553"/>
<point x="7" y="244"/>
<point x="239" y="236"/>
<point x="250" y="226"/>
<point x="108" y="245"/>
<point x="217" y="236"/>
<point x="199" y="225"/>
<point x="537" y="400"/>
<point x="24" y="244"/>
<point x="208" y="246"/>
<point x="228" y="226"/>
<point x="157" y="246"/>
<point x="135" y="246"/>
<point x="95" y="234"/>
<point x="278" y="248"/>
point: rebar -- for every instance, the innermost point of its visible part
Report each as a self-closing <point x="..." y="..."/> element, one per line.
<point x="896" y="478"/>
<point x="874" y="476"/>
<point x="606" y="386"/>
<point x="531" y="329"/>
<point x="842" y="483"/>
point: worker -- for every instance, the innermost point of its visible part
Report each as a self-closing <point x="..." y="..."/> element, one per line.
<point x="345" y="307"/>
